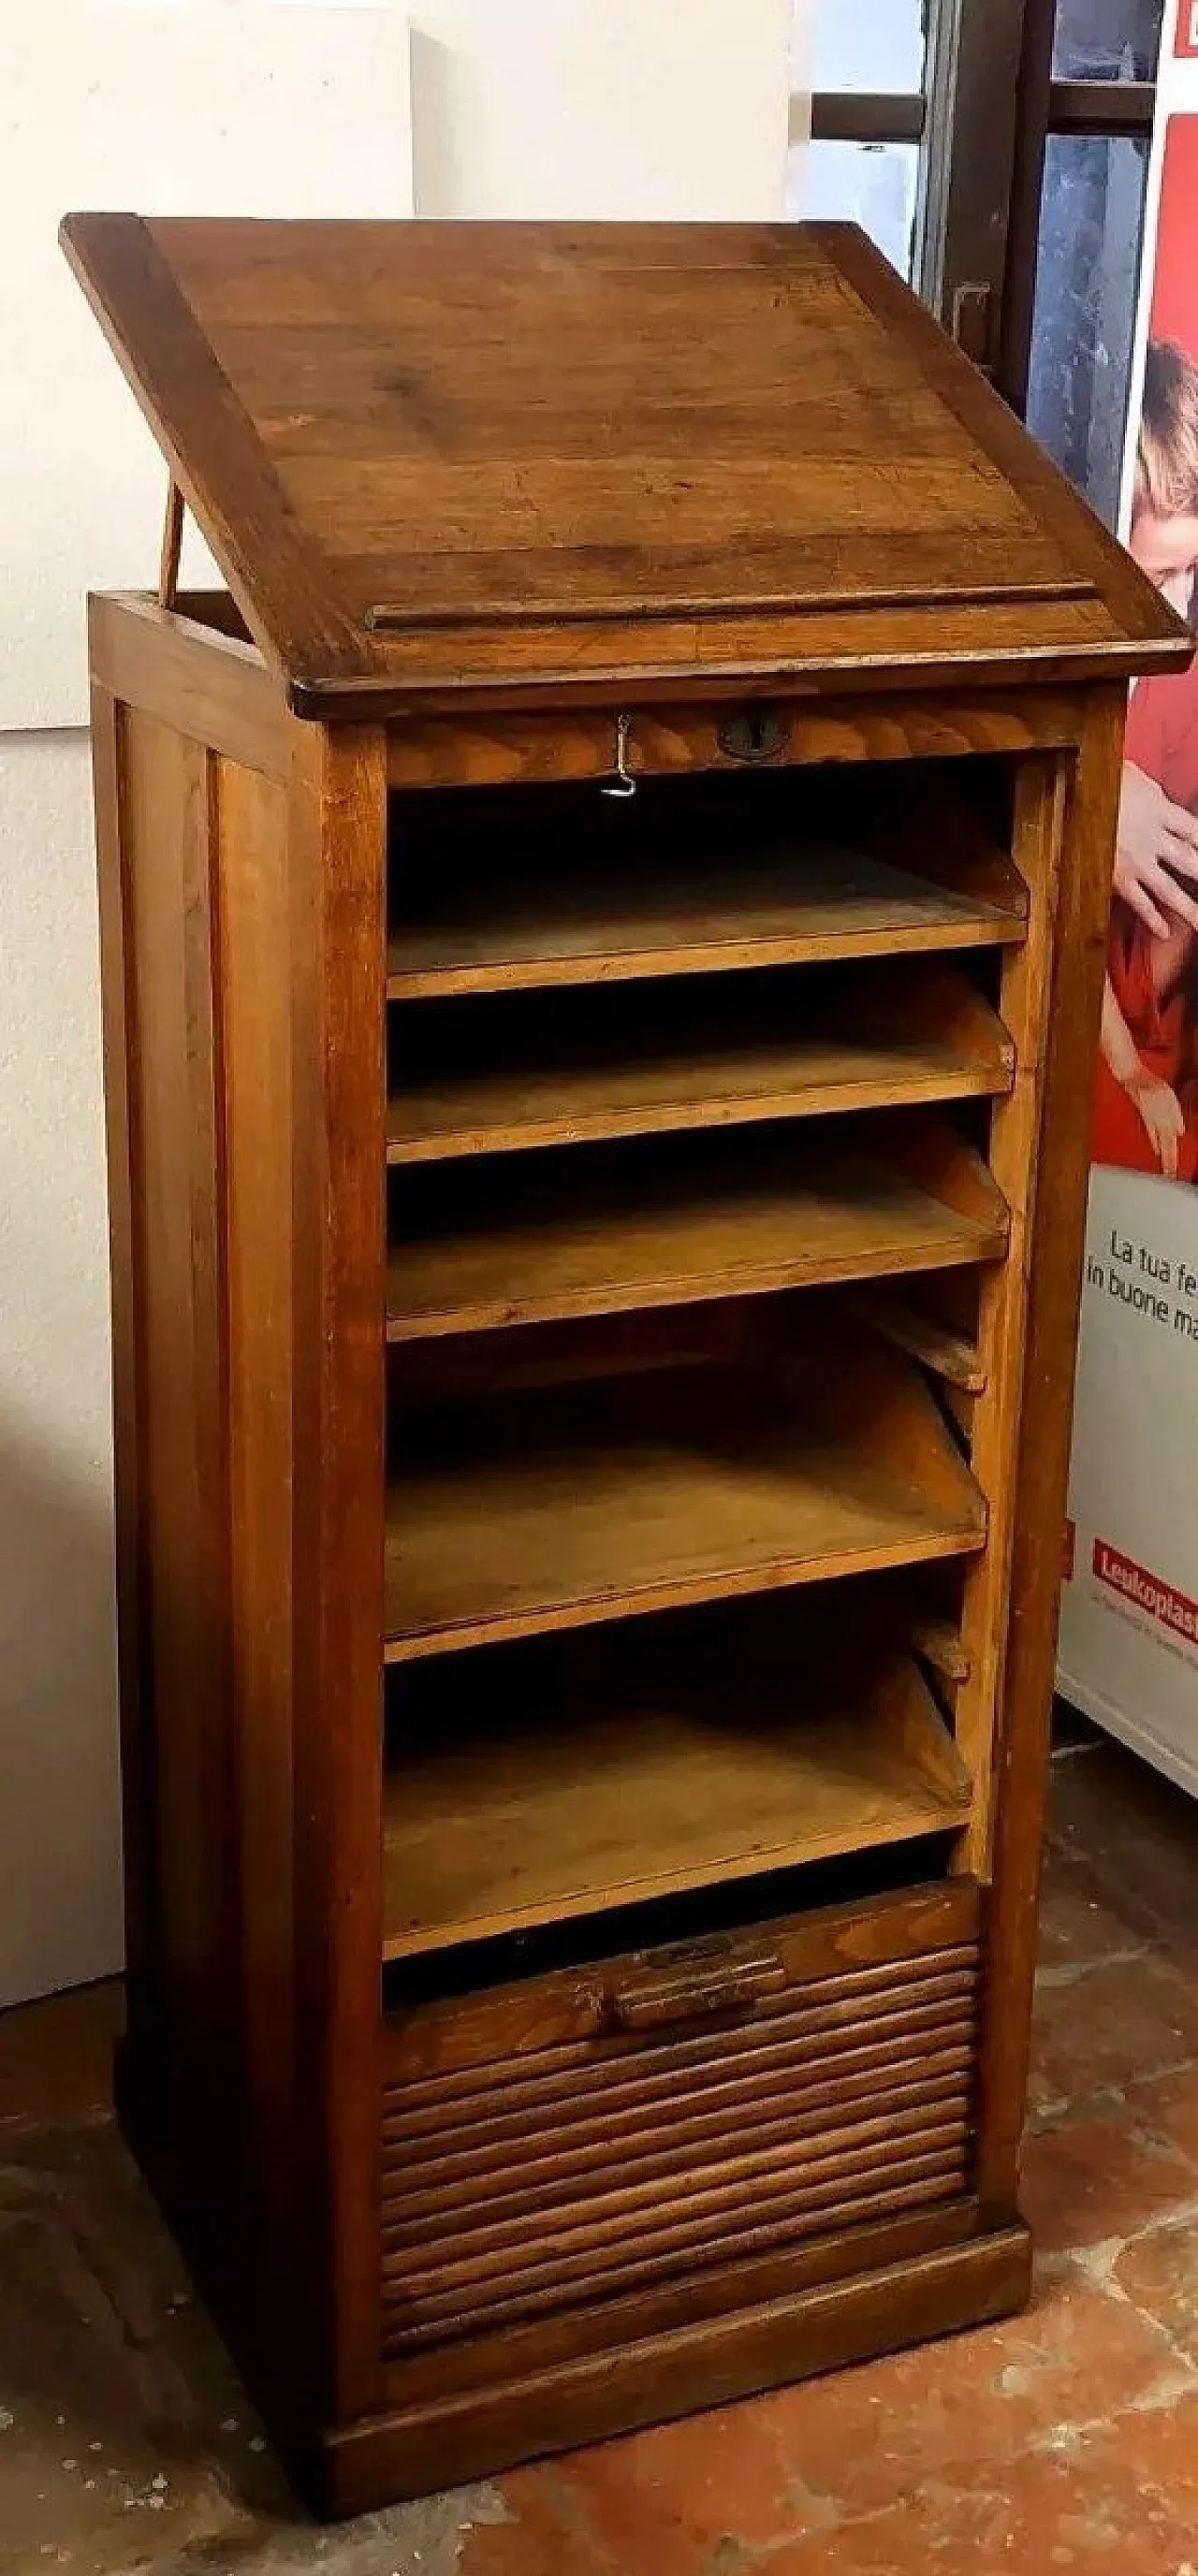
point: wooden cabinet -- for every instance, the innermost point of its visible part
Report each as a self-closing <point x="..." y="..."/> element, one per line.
<point x="594" y="1287"/>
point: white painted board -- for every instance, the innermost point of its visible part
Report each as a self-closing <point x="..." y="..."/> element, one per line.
<point x="1129" y="1611"/>
<point x="60" y="1879"/>
<point x="199" y="107"/>
<point x="596" y="110"/>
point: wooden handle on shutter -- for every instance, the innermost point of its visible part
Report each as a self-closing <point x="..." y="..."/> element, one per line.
<point x="696" y="1988"/>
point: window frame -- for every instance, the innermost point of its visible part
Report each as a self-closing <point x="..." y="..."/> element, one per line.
<point x="1045" y="107"/>
<point x="983" y="119"/>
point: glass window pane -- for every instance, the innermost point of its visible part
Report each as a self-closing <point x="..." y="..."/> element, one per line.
<point x="1091" y="224"/>
<point x="1107" y="39"/>
<point x="876" y="48"/>
<point x="872" y="184"/>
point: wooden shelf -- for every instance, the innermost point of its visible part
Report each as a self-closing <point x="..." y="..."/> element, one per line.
<point x="556" y="1069"/>
<point x="616" y="1785"/>
<point x="556" y="1507"/>
<point x="663" y="1223"/>
<point x="537" y="923"/>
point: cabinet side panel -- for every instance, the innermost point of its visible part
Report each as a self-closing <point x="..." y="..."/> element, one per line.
<point x="166" y="800"/>
<point x="251" y="813"/>
<point x="1079" y="960"/>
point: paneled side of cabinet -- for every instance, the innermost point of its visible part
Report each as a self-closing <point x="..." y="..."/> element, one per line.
<point x="244" y="1140"/>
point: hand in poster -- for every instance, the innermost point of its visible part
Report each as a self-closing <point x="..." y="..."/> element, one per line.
<point x="1161" y="1111"/>
<point x="1157" y="847"/>
<point x="1153" y="1098"/>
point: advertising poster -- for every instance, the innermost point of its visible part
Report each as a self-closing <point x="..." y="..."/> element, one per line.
<point x="1129" y="1621"/>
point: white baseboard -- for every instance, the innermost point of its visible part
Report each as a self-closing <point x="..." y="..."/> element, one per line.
<point x="1178" y="1766"/>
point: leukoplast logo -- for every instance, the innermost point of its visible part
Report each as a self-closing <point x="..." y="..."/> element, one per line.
<point x="1187" y="29"/>
<point x="1145" y="1591"/>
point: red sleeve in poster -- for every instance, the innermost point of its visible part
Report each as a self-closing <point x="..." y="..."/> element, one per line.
<point x="1175" y="279"/>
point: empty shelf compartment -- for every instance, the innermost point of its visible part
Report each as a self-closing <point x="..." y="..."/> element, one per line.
<point x="531" y="1784"/>
<point x="556" y="1506"/>
<point x="559" y="1069"/>
<point x="662" y="1221"/>
<point x="520" y="888"/>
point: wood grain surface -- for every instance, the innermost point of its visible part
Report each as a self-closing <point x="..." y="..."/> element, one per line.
<point x="430" y="452"/>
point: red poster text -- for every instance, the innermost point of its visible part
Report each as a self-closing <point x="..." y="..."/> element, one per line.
<point x="1148" y="1592"/>
<point x="1187" y="29"/>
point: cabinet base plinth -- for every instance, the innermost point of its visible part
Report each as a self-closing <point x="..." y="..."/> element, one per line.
<point x="424" y="2448"/>
<point x="417" y="2450"/>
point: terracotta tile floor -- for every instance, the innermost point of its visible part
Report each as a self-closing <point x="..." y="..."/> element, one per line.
<point x="1066" y="2440"/>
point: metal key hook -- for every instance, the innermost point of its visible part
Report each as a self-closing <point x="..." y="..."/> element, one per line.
<point x="624" y="783"/>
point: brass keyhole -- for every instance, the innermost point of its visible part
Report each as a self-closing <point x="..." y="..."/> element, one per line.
<point x="756" y="733"/>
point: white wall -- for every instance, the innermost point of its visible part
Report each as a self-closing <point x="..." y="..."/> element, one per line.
<point x="171" y="106"/>
<point x="59" y="1874"/>
<point x="712" y="145"/>
<point x="577" y="109"/>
